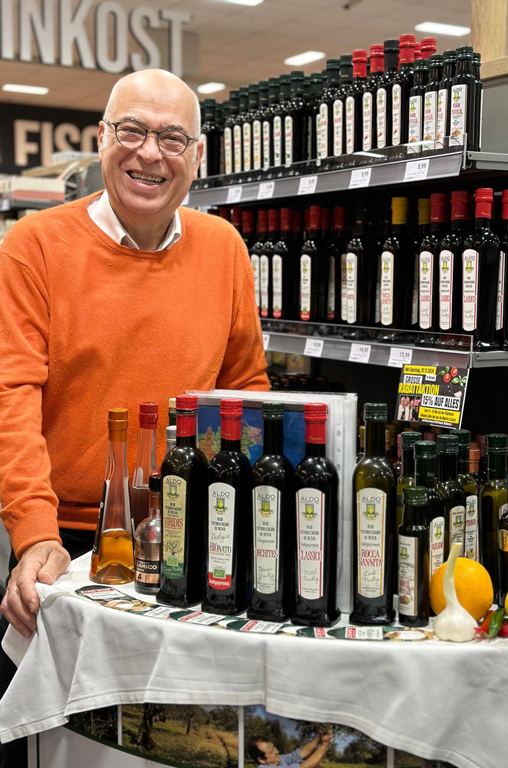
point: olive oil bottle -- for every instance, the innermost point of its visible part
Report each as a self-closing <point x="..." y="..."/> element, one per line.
<point x="413" y="539"/>
<point x="451" y="490"/>
<point x="493" y="505"/>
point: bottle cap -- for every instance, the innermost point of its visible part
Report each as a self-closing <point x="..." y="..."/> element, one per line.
<point x="400" y="207"/>
<point x="447" y="444"/>
<point x="504" y="204"/>
<point x="425" y="449"/>
<point x="273" y="411"/>
<point x="273" y="220"/>
<point x="187" y="403"/>
<point x="485" y="193"/>
<point x="171" y="432"/>
<point x="428" y="46"/>
<point x="377" y="59"/>
<point x="423" y="210"/>
<point x="407" y="40"/>
<point x="414" y="495"/>
<point x="474" y="457"/>
<point x="286" y="217"/>
<point x="332" y="64"/>
<point x="148" y="415"/>
<point x="421" y="65"/>
<point x="315" y="412"/>
<point x="375" y="412"/>
<point x="247" y="221"/>
<point x="391" y="46"/>
<point x="460" y="205"/>
<point x="118" y="421"/>
<point x="436" y="60"/>
<point x="418" y="52"/>
<point x="262" y="220"/>
<point x="464" y="436"/>
<point x="483" y="203"/>
<point x="339" y="217"/>
<point x="224" y="212"/>
<point x="497" y="443"/>
<point x="439" y="207"/>
<point x="231" y="408"/>
<point x="359" y="56"/>
<point x="408" y="439"/>
<point x="154" y="482"/>
<point x="325" y="219"/>
<point x="315" y="213"/>
<point x="450" y="55"/>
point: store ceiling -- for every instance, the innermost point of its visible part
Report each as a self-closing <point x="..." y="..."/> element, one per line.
<point x="237" y="45"/>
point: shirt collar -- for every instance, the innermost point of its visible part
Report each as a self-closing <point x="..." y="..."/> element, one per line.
<point x="103" y="215"/>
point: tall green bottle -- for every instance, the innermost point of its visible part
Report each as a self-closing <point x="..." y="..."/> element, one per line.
<point x="451" y="490"/>
<point x="468" y="483"/>
<point x="493" y="504"/>
<point x="407" y="468"/>
<point x="425" y="474"/>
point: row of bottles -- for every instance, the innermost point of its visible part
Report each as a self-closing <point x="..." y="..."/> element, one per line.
<point x="399" y="95"/>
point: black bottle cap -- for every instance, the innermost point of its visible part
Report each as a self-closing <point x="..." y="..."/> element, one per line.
<point x="415" y="496"/>
<point x="467" y="48"/>
<point x="408" y="439"/>
<point x="447" y="444"/>
<point x="333" y="63"/>
<point x="425" y="449"/>
<point x="346" y="58"/>
<point x="421" y="65"/>
<point x="154" y="482"/>
<point x="464" y="55"/>
<point x="263" y="83"/>
<point x="375" y="412"/>
<point x="297" y="73"/>
<point x="450" y="54"/>
<point x="391" y="46"/>
<point x="497" y="443"/>
<point x="436" y="60"/>
<point x="233" y="95"/>
<point x="273" y="411"/>
<point x="464" y="436"/>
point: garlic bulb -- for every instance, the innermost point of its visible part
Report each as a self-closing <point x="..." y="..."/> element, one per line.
<point x="454" y="623"/>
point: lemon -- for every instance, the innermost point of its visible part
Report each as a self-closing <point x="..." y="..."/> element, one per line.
<point x="472" y="584"/>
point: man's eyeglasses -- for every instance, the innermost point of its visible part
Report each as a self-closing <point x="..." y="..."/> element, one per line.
<point x="132" y="135"/>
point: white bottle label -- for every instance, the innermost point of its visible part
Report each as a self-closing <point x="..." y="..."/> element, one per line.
<point x="305" y="285"/>
<point x="445" y="290"/>
<point x="414" y="303"/>
<point x="338" y="122"/>
<point x="351" y="284"/>
<point x="371" y="531"/>
<point x="381" y="118"/>
<point x="277" y="285"/>
<point x="396" y="114"/>
<point x="310" y="510"/>
<point x="221" y="530"/>
<point x="415" y="124"/>
<point x="436" y="544"/>
<point x="458" y="114"/>
<point x="426" y="280"/>
<point x="266" y="145"/>
<point x="228" y="150"/>
<point x="367" y="121"/>
<point x="387" y="264"/>
<point x="456" y="521"/>
<point x="254" y="260"/>
<point x="277" y="141"/>
<point x="350" y="125"/>
<point x="331" y="290"/>
<point x="471" y="531"/>
<point x="203" y="167"/>
<point x="502" y="509"/>
<point x="266" y="539"/>
<point x="469" y="289"/>
<point x="263" y="283"/>
<point x="500" y="292"/>
<point x="429" y="119"/>
<point x="256" y="144"/>
<point x="247" y="148"/>
<point x="288" y="133"/>
<point x="322" y="131"/>
<point x="343" y="287"/>
<point x="237" y="147"/>
<point x="442" y="113"/>
<point x="408" y="575"/>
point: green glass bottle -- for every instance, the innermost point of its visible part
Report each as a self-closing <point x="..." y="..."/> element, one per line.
<point x="450" y="489"/>
<point x="493" y="504"/>
<point x="502" y="557"/>
<point x="407" y="468"/>
<point x="425" y="476"/>
<point x="468" y="483"/>
<point x="413" y="587"/>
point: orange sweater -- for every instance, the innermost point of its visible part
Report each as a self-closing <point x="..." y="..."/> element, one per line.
<point x="86" y="325"/>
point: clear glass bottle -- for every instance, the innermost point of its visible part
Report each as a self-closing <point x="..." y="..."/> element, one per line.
<point x="146" y="461"/>
<point x="147" y="542"/>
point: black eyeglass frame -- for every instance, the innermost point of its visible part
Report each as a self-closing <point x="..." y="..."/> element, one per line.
<point x="151" y="130"/>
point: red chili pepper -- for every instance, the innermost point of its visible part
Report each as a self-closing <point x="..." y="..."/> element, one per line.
<point x="454" y="372"/>
<point x="495" y="622"/>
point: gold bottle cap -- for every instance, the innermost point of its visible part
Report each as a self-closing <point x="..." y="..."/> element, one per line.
<point x="424" y="210"/>
<point x="400" y="207"/>
<point x="118" y="421"/>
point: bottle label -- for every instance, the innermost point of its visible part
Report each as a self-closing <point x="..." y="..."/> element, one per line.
<point x="237" y="147"/>
<point x="500" y="292"/>
<point x="203" y="167"/>
<point x="266" y="539"/>
<point x="367" y="121"/>
<point x="414" y="303"/>
<point x="471" y="528"/>
<point x="310" y="505"/>
<point x="436" y="544"/>
<point x="174" y="493"/>
<point x="254" y="260"/>
<point x="387" y="288"/>
<point x="322" y="131"/>
<point x="456" y="526"/>
<point x="338" y="122"/>
<point x="502" y="509"/>
<point x="350" y="125"/>
<point x="445" y="290"/>
<point x="263" y="284"/>
<point x="221" y="530"/>
<point x="277" y="141"/>
<point x="277" y="286"/>
<point x="371" y="525"/>
<point x="426" y="278"/>
<point x="247" y="152"/>
<point x="469" y="289"/>
<point x="442" y="113"/>
<point x="331" y="290"/>
<point x="502" y="540"/>
<point x="408" y="575"/>
<point x="429" y="119"/>
<point x="351" y="283"/>
<point x="266" y="145"/>
<point x="415" y="124"/>
<point x="288" y="144"/>
<point x="147" y="563"/>
<point x="381" y="118"/>
<point x="228" y="151"/>
<point x="458" y="115"/>
<point x="343" y="287"/>
<point x="305" y="285"/>
<point x="396" y="114"/>
<point x="256" y="144"/>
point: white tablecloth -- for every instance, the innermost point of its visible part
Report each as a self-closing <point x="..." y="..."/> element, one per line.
<point x="437" y="700"/>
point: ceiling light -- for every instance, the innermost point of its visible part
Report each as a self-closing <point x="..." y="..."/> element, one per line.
<point x="211" y="87"/>
<point x="442" y="29"/>
<point x="245" y="2"/>
<point x="33" y="89"/>
<point x="304" y="58"/>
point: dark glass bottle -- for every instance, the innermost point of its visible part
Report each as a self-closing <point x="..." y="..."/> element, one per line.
<point x="265" y="263"/>
<point x="284" y="270"/>
<point x="502" y="293"/>
<point x="374" y="509"/>
<point x="229" y="539"/>
<point x="243" y="107"/>
<point x="451" y="490"/>
<point x="354" y="104"/>
<point x="317" y="514"/>
<point x="221" y="113"/>
<point x="416" y="106"/>
<point x="210" y="136"/>
<point x="279" y="114"/>
<point x="273" y="99"/>
<point x="493" y="505"/>
<point x="480" y="275"/>
<point x="477" y="60"/>
<point x="255" y="254"/>
<point x="338" y="253"/>
<point x="423" y="232"/>
<point x="413" y="539"/>
<point x="258" y="114"/>
<point x="425" y="476"/>
<point x="369" y="103"/>
<point x="361" y="267"/>
<point x="247" y="228"/>
<point x="468" y="483"/>
<point x="316" y="87"/>
<point x="463" y="102"/>
<point x="428" y="274"/>
<point x="247" y="128"/>
<point x="295" y="123"/>
<point x="430" y="102"/>
<point x="402" y="84"/>
<point x="396" y="272"/>
<point x="444" y="100"/>
<point x="229" y="149"/>
<point x="384" y="94"/>
<point x="314" y="270"/>
<point x="330" y="116"/>
<point x="274" y="546"/>
<point x="407" y="469"/>
<point x="184" y="487"/>
<point x="450" y="269"/>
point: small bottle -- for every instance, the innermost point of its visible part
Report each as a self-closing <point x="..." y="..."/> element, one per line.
<point x="428" y="275"/>
<point x="502" y="557"/>
<point x="146" y="461"/>
<point x="147" y="542"/>
<point x="407" y="470"/>
<point x="330" y="115"/>
<point x="396" y="272"/>
<point x="377" y="67"/>
<point x="450" y="489"/>
<point x="170" y="438"/>
<point x="384" y="94"/>
<point x="402" y="84"/>
<point x="450" y="270"/>
<point x="425" y="476"/>
<point x="414" y="560"/>
<point x="463" y="121"/>
<point x="493" y="505"/>
<point x="468" y="483"/>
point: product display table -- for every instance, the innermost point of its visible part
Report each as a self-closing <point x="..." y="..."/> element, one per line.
<point x="438" y="700"/>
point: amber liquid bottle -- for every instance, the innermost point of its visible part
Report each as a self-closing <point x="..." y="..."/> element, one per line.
<point x="113" y="552"/>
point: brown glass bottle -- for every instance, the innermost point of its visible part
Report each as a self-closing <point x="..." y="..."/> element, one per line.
<point x="384" y="94"/>
<point x="314" y="271"/>
<point x="255" y="254"/>
<point x="449" y="270"/>
<point x="396" y="272"/>
<point x="416" y="106"/>
<point x="285" y="270"/>
<point x="354" y="104"/>
<point x="361" y="266"/>
<point x="369" y="103"/>
<point x="330" y="115"/>
<point x="265" y="263"/>
<point x="444" y="99"/>
<point x="402" y="84"/>
<point x="428" y="273"/>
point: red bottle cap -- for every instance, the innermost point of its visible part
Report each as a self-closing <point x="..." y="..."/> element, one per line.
<point x="262" y="220"/>
<point x="439" y="207"/>
<point x="187" y="403"/>
<point x="325" y="220"/>
<point x="377" y="59"/>
<point x="504" y="204"/>
<point x="307" y="218"/>
<point x="231" y="407"/>
<point x="224" y="212"/>
<point x="286" y="217"/>
<point x="231" y="411"/>
<point x="273" y="220"/>
<point x="359" y="63"/>
<point x="460" y="206"/>
<point x="247" y="222"/>
<point x="315" y="412"/>
<point x="236" y="217"/>
<point x="148" y="415"/>
<point x="315" y="213"/>
<point x="297" y="221"/>
<point x="315" y="415"/>
<point x="428" y="46"/>
<point x="483" y="203"/>
<point x="339" y="217"/>
<point x="418" y="51"/>
<point x="407" y="49"/>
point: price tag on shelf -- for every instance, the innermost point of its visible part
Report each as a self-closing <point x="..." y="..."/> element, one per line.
<point x="234" y="195"/>
<point x="307" y="185"/>
<point x="266" y="340"/>
<point x="313" y="347"/>
<point x="266" y="189"/>
<point x="360" y="353"/>
<point x="416" y="170"/>
<point x="400" y="356"/>
<point x="360" y="177"/>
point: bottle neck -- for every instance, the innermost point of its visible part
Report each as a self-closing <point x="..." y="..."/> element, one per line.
<point x="425" y="472"/>
<point x="447" y="466"/>
<point x="497" y="466"/>
<point x="407" y="465"/>
<point x="231" y="434"/>
<point x="459" y="225"/>
<point x="154" y="505"/>
<point x="464" y="460"/>
<point x="273" y="436"/>
<point x="482" y="222"/>
<point x="448" y="71"/>
<point x="374" y="439"/>
<point x="186" y="430"/>
<point x="146" y="461"/>
<point x="391" y="61"/>
<point x="414" y="515"/>
<point x="315" y="438"/>
<point x="117" y="459"/>
<point x="438" y="227"/>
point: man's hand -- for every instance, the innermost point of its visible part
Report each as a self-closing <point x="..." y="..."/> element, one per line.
<point x="41" y="562"/>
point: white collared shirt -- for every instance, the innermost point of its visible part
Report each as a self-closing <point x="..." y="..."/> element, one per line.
<point x="102" y="214"/>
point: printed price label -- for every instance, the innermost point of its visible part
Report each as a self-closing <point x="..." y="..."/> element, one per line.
<point x="314" y="347"/>
<point x="360" y="353"/>
<point x="266" y="340"/>
<point x="185" y="201"/>
<point x="307" y="185"/>
<point x="399" y="357"/>
<point x="416" y="170"/>
<point x="266" y="189"/>
<point x="360" y="177"/>
<point x="234" y="195"/>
